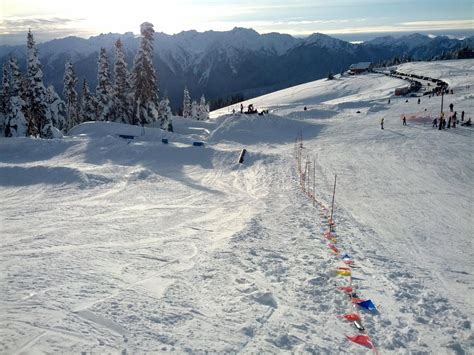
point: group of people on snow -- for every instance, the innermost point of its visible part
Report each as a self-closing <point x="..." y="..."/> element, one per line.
<point x="442" y="122"/>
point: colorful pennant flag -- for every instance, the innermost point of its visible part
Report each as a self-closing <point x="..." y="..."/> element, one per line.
<point x="351" y="317"/>
<point x="363" y="340"/>
<point x="367" y="304"/>
<point x="346" y="289"/>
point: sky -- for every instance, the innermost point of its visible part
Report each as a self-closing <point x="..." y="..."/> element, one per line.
<point x="50" y="19"/>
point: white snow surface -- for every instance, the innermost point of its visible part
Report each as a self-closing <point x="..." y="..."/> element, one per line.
<point x="112" y="245"/>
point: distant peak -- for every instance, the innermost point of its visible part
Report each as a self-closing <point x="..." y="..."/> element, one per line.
<point x="324" y="40"/>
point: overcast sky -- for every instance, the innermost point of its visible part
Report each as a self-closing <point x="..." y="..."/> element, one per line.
<point x="59" y="18"/>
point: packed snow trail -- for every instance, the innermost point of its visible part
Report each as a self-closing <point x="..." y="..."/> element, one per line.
<point x="112" y="245"/>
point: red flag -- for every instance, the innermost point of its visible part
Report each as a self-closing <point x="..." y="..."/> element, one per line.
<point x="363" y="340"/>
<point x="346" y="289"/>
<point x="343" y="268"/>
<point x="351" y="317"/>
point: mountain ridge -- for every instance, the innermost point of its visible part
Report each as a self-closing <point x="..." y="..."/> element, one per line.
<point x="222" y="63"/>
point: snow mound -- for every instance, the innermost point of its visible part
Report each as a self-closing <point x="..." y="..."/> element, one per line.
<point x="252" y="129"/>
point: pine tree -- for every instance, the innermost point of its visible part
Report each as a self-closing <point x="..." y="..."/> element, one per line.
<point x="5" y="97"/>
<point x="56" y="108"/>
<point x="144" y="79"/>
<point x="38" y="121"/>
<point x="186" y="104"/>
<point x="194" y="110"/>
<point x="202" y="110"/>
<point x="16" y="124"/>
<point x="103" y="91"/>
<point x="122" y="103"/>
<point x="87" y="109"/>
<point x="71" y="97"/>
<point x="164" y="114"/>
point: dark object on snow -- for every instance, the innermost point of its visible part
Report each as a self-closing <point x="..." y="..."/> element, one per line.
<point x="389" y="101"/>
<point x="467" y="123"/>
<point x="358" y="325"/>
<point x="164" y="140"/>
<point x="462" y="116"/>
<point x="404" y="121"/>
<point x="198" y="144"/>
<point x="449" y="122"/>
<point x="435" y="122"/>
<point x="381" y="123"/>
<point x="241" y="108"/>
<point x="451" y="106"/>
<point x="305" y="108"/>
<point x="418" y="101"/>
<point x="242" y="155"/>
<point x="358" y="112"/>
<point x="126" y="136"/>
<point x="251" y="110"/>
<point x="406" y="100"/>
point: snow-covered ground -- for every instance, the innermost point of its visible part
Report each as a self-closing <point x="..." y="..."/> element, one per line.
<point x="111" y="245"/>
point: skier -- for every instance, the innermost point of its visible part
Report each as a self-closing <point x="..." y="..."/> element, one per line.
<point x="241" y="108"/>
<point x="404" y="121"/>
<point x="418" y="101"/>
<point x="389" y="101"/>
<point x="381" y="123"/>
<point x="435" y="122"/>
<point x="451" y="106"/>
<point x="462" y="116"/>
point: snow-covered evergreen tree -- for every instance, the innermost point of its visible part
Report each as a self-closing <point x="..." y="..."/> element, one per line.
<point x="5" y="97"/>
<point x="194" y="110"/>
<point x="144" y="79"/>
<point x="103" y="91"/>
<point x="202" y="110"/>
<point x="122" y="88"/>
<point x="164" y="114"/>
<point x="87" y="109"/>
<point x="71" y="97"/>
<point x="38" y="121"/>
<point x="56" y="108"/>
<point x="186" y="104"/>
<point x="16" y="124"/>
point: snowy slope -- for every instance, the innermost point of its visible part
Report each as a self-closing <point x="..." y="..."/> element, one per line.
<point x="134" y="246"/>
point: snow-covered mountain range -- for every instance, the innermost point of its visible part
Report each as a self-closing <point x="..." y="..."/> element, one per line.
<point x="112" y="245"/>
<point x="219" y="64"/>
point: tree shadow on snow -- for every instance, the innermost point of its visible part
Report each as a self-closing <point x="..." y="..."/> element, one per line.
<point x="166" y="160"/>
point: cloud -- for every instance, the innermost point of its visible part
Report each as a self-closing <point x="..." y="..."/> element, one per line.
<point x="22" y="24"/>
<point x="443" y="24"/>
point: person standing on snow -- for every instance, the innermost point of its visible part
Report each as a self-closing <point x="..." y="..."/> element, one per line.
<point x="462" y="116"/>
<point x="435" y="122"/>
<point x="451" y="106"/>
<point x="381" y="123"/>
<point x="404" y="121"/>
<point x="418" y="101"/>
<point x="241" y="108"/>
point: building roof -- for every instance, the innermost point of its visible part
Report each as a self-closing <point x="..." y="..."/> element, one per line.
<point x="360" y="66"/>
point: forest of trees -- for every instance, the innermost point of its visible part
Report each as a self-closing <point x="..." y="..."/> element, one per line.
<point x="27" y="108"/>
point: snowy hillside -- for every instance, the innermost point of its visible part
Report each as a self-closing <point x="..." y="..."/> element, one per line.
<point x="115" y="245"/>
